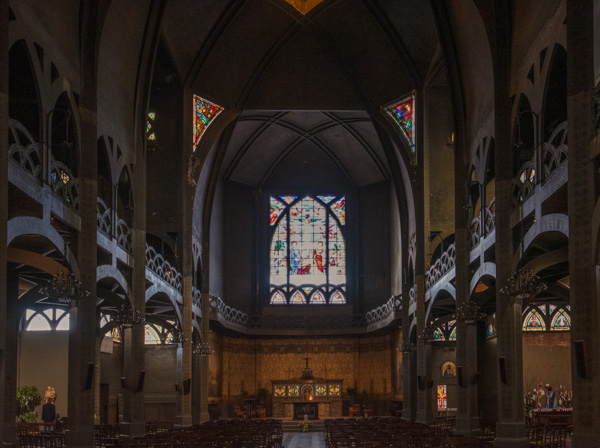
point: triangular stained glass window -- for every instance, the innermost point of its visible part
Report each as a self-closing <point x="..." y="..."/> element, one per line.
<point x="288" y="199"/>
<point x="304" y="6"/>
<point x="337" y="298"/>
<point x="403" y="114"/>
<point x="149" y="124"/>
<point x="552" y="308"/>
<point x="204" y="114"/>
<point x="276" y="209"/>
<point x="438" y="335"/>
<point x="339" y="209"/>
<point x="534" y="322"/>
<point x="326" y="199"/>
<point x="307" y="290"/>
<point x="561" y="321"/>
<point x="317" y="297"/>
<point x="297" y="298"/>
<point x="278" y="298"/>
<point x="452" y="336"/>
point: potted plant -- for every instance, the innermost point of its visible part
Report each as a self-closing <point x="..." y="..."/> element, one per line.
<point x="351" y="391"/>
<point x="262" y="395"/>
<point x="28" y="397"/>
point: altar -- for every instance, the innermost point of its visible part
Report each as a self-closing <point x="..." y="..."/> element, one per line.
<point x="307" y="395"/>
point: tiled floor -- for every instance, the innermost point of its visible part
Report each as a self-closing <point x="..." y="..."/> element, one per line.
<point x="304" y="440"/>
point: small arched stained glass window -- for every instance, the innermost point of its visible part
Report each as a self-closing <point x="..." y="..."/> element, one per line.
<point x="278" y="298"/>
<point x="561" y="321"/>
<point x="297" y="298"/>
<point x="151" y="336"/>
<point x="337" y="298"/>
<point x="491" y="332"/>
<point x="317" y="297"/>
<point x="534" y="322"/>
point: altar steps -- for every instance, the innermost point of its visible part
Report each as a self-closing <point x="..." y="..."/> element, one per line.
<point x="292" y="426"/>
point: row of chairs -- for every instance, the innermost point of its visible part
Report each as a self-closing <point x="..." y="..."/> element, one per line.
<point x="241" y="412"/>
<point x="264" y="433"/>
<point x="381" y="432"/>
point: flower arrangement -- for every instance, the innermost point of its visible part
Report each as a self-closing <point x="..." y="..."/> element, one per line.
<point x="565" y="398"/>
<point x="305" y="424"/>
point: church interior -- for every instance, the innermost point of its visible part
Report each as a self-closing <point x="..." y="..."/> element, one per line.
<point x="176" y="251"/>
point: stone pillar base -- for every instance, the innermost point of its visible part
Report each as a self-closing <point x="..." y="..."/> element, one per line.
<point x="79" y="438"/>
<point x="130" y="430"/>
<point x="511" y="435"/>
<point x="467" y="426"/>
<point x="585" y="440"/>
<point x="183" y="421"/>
<point x="204" y="417"/>
<point x="425" y="417"/>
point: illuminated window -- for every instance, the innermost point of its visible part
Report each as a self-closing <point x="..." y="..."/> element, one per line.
<point x="48" y="319"/>
<point x="308" y="250"/>
<point x="491" y="332"/>
<point x="151" y="336"/>
<point x="204" y="114"/>
<point x="534" y="321"/>
<point x="403" y="115"/>
<point x="561" y="321"/>
<point x="442" y="398"/>
<point x="150" y="133"/>
<point x="438" y="335"/>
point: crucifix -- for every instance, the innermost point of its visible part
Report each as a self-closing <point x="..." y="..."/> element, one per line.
<point x="307" y="358"/>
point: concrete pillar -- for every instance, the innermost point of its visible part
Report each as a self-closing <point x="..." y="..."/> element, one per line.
<point x="9" y="366"/>
<point x="583" y="263"/>
<point x="8" y="348"/>
<point x="82" y="331"/>
<point x="467" y="419"/>
<point x="204" y="416"/>
<point x="134" y="355"/>
<point x="425" y="388"/>
<point x="511" y="431"/>
<point x="409" y="380"/>
<point x="97" y="376"/>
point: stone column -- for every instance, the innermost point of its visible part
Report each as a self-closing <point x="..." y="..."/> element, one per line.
<point x="134" y="354"/>
<point x="583" y="263"/>
<point x="184" y="417"/>
<point x="467" y="419"/>
<point x="425" y="389"/>
<point x="97" y="376"/>
<point x="82" y="330"/>
<point x="409" y="381"/>
<point x="8" y="368"/>
<point x="511" y="431"/>
<point x="204" y="416"/>
<point x="8" y="349"/>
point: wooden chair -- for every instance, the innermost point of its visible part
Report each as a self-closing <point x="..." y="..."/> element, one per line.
<point x="354" y="410"/>
<point x="238" y="412"/>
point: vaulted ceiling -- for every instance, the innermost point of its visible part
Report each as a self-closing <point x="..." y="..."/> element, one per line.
<point x="267" y="55"/>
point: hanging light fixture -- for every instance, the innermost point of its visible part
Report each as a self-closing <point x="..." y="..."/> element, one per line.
<point x="203" y="349"/>
<point x="427" y="333"/>
<point x="177" y="336"/>
<point x="469" y="313"/>
<point x="64" y="287"/>
<point x="127" y="316"/>
<point x="523" y="285"/>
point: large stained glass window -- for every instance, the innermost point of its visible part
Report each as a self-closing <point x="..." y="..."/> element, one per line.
<point x="204" y="114"/>
<point x="402" y="113"/>
<point x="307" y="254"/>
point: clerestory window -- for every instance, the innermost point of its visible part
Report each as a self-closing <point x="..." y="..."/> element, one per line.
<point x="307" y="249"/>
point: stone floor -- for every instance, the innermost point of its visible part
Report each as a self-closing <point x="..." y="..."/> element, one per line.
<point x="304" y="440"/>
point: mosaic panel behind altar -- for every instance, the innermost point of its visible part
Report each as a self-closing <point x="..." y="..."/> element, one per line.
<point x="367" y="363"/>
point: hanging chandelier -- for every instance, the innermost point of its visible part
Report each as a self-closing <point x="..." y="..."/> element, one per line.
<point x="127" y="316"/>
<point x="427" y="333"/>
<point x="203" y="349"/>
<point x="406" y="347"/>
<point x="523" y="285"/>
<point x="64" y="287"/>
<point x="469" y="313"/>
<point x="177" y="336"/>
